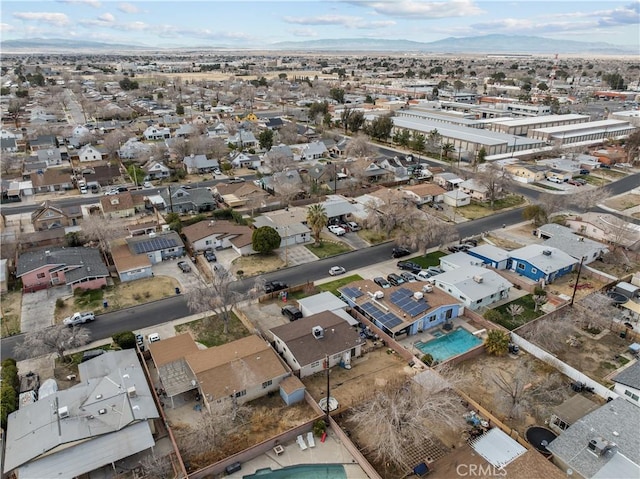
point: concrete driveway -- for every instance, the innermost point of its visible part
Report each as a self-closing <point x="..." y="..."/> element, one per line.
<point x="38" y="308"/>
<point x="170" y="268"/>
<point x="296" y="254"/>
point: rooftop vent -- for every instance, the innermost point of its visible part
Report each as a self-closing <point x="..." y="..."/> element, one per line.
<point x="63" y="412"/>
<point x="377" y="295"/>
<point x="317" y="332"/>
<point x="477" y="278"/>
<point x="102" y="411"/>
<point x="98" y="396"/>
<point x="547" y="252"/>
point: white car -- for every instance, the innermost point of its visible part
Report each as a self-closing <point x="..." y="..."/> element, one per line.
<point x="153" y="337"/>
<point x="336" y="270"/>
<point x="337" y="230"/>
<point x="79" y="318"/>
<point x="147" y="184"/>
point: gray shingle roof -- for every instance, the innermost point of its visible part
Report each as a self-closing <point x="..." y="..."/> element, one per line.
<point x="88" y="261"/>
<point x="629" y="376"/>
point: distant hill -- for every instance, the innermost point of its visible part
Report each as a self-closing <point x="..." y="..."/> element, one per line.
<point x="479" y="44"/>
<point x="52" y="45"/>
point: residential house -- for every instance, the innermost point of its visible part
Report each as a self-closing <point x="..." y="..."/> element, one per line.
<point x="33" y="165"/>
<point x="155" y="170"/>
<point x="457" y="260"/>
<point x="238" y="195"/>
<point x="491" y="255"/>
<point x="76" y="267"/>
<point x="51" y="157"/>
<point x="182" y="200"/>
<point x="401" y="309"/>
<point x="218" y="131"/>
<point x="105" y="418"/>
<point x="475" y="189"/>
<point x="89" y="153"/>
<point x="448" y="181"/>
<point x="133" y="148"/>
<point x="48" y="216"/>
<point x="245" y="160"/>
<point x="475" y="286"/>
<point x="325" y="301"/>
<point x="130" y="266"/>
<point x="312" y="151"/>
<point x="456" y="198"/>
<point x="185" y="131"/>
<point x="157" y="247"/>
<point x="570" y="411"/>
<point x="563" y="168"/>
<point x="399" y="171"/>
<point x="424" y="193"/>
<point x="43" y="142"/>
<point x="54" y="179"/>
<point x="540" y="262"/>
<point x="290" y="225"/>
<point x="284" y="183"/>
<point x="243" y="139"/>
<point x="340" y="148"/>
<point x="8" y="145"/>
<point x="199" y="164"/>
<point x="171" y="121"/>
<point x="627" y="383"/>
<point x="373" y="172"/>
<point x="526" y="173"/>
<point x="278" y="154"/>
<point x="155" y="133"/>
<point x="239" y="371"/>
<point x="306" y="343"/>
<point x="564" y="239"/>
<point x="122" y="205"/>
<point x="209" y="234"/>
<point x="337" y="207"/>
<point x="603" y="444"/>
<point x="606" y="228"/>
<point x="274" y="123"/>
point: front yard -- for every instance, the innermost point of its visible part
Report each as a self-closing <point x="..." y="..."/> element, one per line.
<point x="328" y="248"/>
<point x="210" y="332"/>
<point x="256" y="264"/>
<point x="429" y="259"/>
<point x="333" y="286"/>
<point x="480" y="210"/>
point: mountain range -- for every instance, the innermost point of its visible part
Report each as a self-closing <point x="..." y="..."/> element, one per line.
<point x="499" y="44"/>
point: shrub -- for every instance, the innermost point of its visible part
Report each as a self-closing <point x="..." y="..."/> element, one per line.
<point x="319" y="427"/>
<point x="59" y="303"/>
<point x="125" y="339"/>
<point x="427" y="359"/>
<point x="497" y="342"/>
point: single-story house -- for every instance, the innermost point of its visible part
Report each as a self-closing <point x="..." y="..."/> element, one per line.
<point x="48" y="216"/>
<point x="564" y="239"/>
<point x="238" y="195"/>
<point x="130" y="266"/>
<point x="209" y="234"/>
<point x="606" y="228"/>
<point x="475" y="189"/>
<point x="8" y="145"/>
<point x="99" y="422"/>
<point x="89" y="153"/>
<point x="627" y="383"/>
<point x="459" y="260"/>
<point x="52" y="179"/>
<point x="491" y="255"/>
<point x="290" y="225"/>
<point x="448" y="181"/>
<point x="540" y="262"/>
<point x="155" y="133"/>
<point x="424" y="193"/>
<point x="278" y="154"/>
<point x="183" y="200"/>
<point x="122" y="205"/>
<point x="325" y="301"/>
<point x="51" y="157"/>
<point x="199" y="164"/>
<point x="526" y="173"/>
<point x="157" y="246"/>
<point x="304" y="344"/>
<point x="456" y="198"/>
<point x="132" y="148"/>
<point x="243" y="139"/>
<point x="286" y="183"/>
<point x="185" y="131"/>
<point x="43" y="142"/>
<point x="75" y="267"/>
<point x="475" y="286"/>
<point x="245" y="160"/>
<point x="155" y="170"/>
<point x="312" y="151"/>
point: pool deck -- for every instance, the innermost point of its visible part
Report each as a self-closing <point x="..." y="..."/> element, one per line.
<point x="330" y="452"/>
<point x="426" y="336"/>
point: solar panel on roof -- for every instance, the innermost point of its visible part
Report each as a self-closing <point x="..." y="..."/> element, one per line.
<point x="388" y="320"/>
<point x="403" y="299"/>
<point x="351" y="292"/>
<point x="154" y="244"/>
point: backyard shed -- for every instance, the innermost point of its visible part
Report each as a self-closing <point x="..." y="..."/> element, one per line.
<point x="291" y="390"/>
<point x="627" y="289"/>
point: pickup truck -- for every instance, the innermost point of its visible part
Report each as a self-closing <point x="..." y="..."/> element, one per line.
<point x="79" y="318"/>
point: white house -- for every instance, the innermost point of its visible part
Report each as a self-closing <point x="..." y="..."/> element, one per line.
<point x="199" y="164"/>
<point x="313" y="151"/>
<point x="89" y="153"/>
<point x="456" y="198"/>
<point x="155" y="133"/>
<point x="458" y="260"/>
<point x="243" y="139"/>
<point x="155" y="170"/>
<point x="219" y="234"/>
<point x="627" y="383"/>
<point x="244" y="160"/>
<point x="424" y="193"/>
<point x="473" y="188"/>
<point x="475" y="286"/>
<point x="133" y="148"/>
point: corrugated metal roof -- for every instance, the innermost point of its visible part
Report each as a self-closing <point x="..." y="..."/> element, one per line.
<point x="497" y="448"/>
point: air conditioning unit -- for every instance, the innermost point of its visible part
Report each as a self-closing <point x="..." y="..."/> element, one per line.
<point x="63" y="412"/>
<point x="418" y="295"/>
<point x="131" y="392"/>
<point x="317" y="332"/>
<point x="547" y="252"/>
<point x="378" y="295"/>
<point x="477" y="279"/>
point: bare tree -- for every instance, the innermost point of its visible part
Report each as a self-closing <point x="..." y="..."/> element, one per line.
<point x="538" y="301"/>
<point x="113" y="142"/>
<point x="586" y="199"/>
<point x="552" y="203"/>
<point x="495" y="180"/>
<point x="9" y="163"/>
<point x="157" y="466"/>
<point x="181" y="148"/>
<point x="97" y="228"/>
<point x="278" y="161"/>
<point x="388" y="213"/>
<point x="594" y="311"/>
<point x="407" y="412"/>
<point x="359" y="147"/>
<point x="288" y="134"/>
<point x="511" y="396"/>
<point x="621" y="233"/>
<point x="551" y="334"/>
<point x="56" y="339"/>
<point x="420" y="231"/>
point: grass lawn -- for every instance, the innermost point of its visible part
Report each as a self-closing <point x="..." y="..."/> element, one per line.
<point x="328" y="248"/>
<point x="11" y="309"/>
<point x="210" y="332"/>
<point x="372" y="237"/>
<point x="338" y="283"/>
<point x="546" y="186"/>
<point x="480" y="210"/>
<point x="431" y="259"/>
<point x="527" y="315"/>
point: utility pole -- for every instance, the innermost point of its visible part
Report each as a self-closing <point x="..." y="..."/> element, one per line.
<point x="575" y="286"/>
<point x="326" y="364"/>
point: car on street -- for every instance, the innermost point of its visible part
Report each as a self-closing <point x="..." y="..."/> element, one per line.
<point x="408" y="266"/>
<point x="184" y="266"/>
<point x="337" y="230"/>
<point x="380" y="281"/>
<point x="147" y="185"/>
<point x="273" y="286"/>
<point x="236" y="179"/>
<point x="554" y="179"/>
<point x="606" y="167"/>
<point x="395" y="279"/>
<point x="337" y="270"/>
<point x="399" y="252"/>
<point x="291" y="312"/>
<point x="575" y="183"/>
<point x="79" y="318"/>
<point x="210" y="256"/>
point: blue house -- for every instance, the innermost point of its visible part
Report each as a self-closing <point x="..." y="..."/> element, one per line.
<point x="493" y="256"/>
<point x="403" y="309"/>
<point x="540" y="262"/>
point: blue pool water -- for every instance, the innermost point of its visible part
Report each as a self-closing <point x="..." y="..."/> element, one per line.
<point x="449" y="345"/>
<point x="304" y="471"/>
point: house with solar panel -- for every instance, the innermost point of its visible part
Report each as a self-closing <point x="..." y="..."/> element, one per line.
<point x="404" y="309"/>
<point x="157" y="247"/>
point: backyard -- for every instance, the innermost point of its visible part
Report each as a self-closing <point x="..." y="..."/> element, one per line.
<point x="11" y="308"/>
<point x="527" y="312"/>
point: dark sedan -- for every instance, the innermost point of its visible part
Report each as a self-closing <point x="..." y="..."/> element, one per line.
<point x="273" y="286"/>
<point x="409" y="266"/>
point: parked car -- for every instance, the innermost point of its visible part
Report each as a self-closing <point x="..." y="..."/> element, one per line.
<point x="184" y="266"/>
<point x="554" y="179"/>
<point x="424" y="275"/>
<point x="153" y="337"/>
<point x="337" y="270"/>
<point x="79" y="318"/>
<point x="354" y="226"/>
<point x="210" y="256"/>
<point x="380" y="281"/>
<point x="337" y="230"/>
<point x="292" y="312"/>
<point x="273" y="286"/>
<point x="408" y="276"/>
<point x="94" y="353"/>
<point x="584" y="171"/>
<point x="140" y="341"/>
<point x="399" y="252"/>
<point x="236" y="179"/>
<point x="435" y="270"/>
<point x="409" y="266"/>
<point x="217" y="171"/>
<point x="606" y="167"/>
<point x="147" y="184"/>
<point x="395" y="279"/>
<point x="575" y="183"/>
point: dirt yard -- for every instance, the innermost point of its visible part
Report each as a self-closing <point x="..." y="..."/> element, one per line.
<point x="11" y="307"/>
<point x="256" y="264"/>
<point x="352" y="386"/>
<point x="623" y="202"/>
<point x="565" y="285"/>
<point x="128" y="294"/>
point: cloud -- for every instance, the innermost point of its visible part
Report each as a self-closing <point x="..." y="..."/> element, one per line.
<point x="5" y="27"/>
<point x="91" y="3"/>
<point x="107" y="18"/>
<point x="128" y="8"/>
<point x="421" y="10"/>
<point x="56" y="19"/>
<point x="339" y="20"/>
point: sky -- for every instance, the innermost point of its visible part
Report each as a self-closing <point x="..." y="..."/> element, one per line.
<point x="258" y="23"/>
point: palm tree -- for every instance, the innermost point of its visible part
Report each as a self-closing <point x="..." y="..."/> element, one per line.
<point x="448" y="148"/>
<point x="497" y="342"/>
<point x="316" y="219"/>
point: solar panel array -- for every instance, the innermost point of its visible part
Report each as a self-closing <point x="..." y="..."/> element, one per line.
<point x="388" y="320"/>
<point x="403" y="299"/>
<point x="351" y="292"/>
<point x="154" y="244"/>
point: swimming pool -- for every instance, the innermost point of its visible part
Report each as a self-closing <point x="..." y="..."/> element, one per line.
<point x="303" y="471"/>
<point x="449" y="345"/>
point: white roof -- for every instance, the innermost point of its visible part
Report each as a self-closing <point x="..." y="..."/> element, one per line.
<point x="325" y="301"/>
<point x="536" y="120"/>
<point x="534" y="254"/>
<point x="492" y="252"/>
<point x="465" y="281"/>
<point x="497" y="448"/>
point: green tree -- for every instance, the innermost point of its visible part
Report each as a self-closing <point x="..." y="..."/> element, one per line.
<point x="318" y="109"/>
<point x="402" y="137"/>
<point x="337" y="94"/>
<point x="266" y="139"/>
<point x="447" y="149"/>
<point x="125" y="339"/>
<point x="355" y="121"/>
<point x="317" y="220"/>
<point x="179" y="109"/>
<point x="482" y="156"/>
<point x="542" y="86"/>
<point x="265" y="239"/>
<point x="535" y="213"/>
<point x="497" y="342"/>
<point x="136" y="174"/>
<point x="381" y="127"/>
<point x="417" y="141"/>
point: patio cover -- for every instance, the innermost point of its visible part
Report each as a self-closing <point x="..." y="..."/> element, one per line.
<point x="497" y="448"/>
